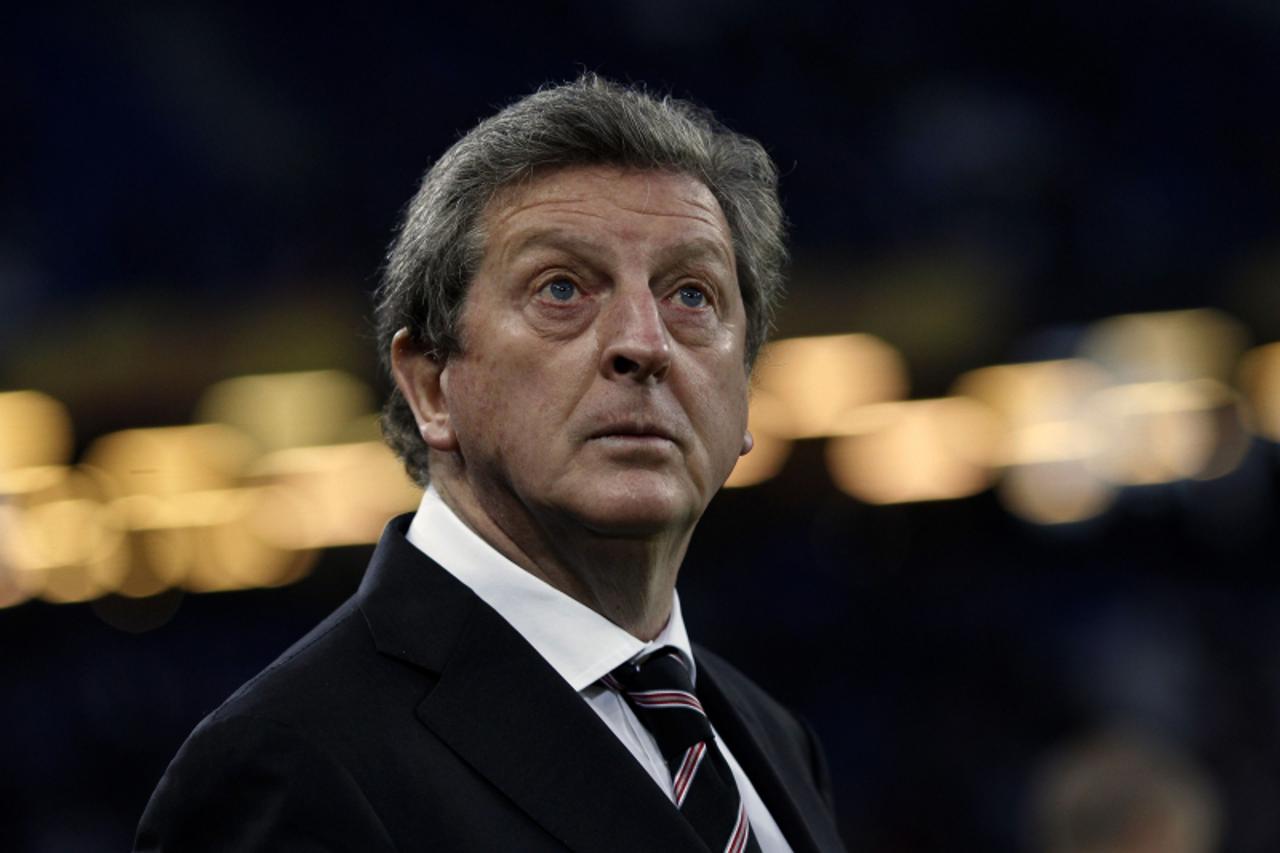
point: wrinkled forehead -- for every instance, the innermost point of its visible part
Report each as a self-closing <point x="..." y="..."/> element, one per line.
<point x="607" y="191"/>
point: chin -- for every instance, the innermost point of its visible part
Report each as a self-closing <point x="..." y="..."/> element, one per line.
<point x="636" y="509"/>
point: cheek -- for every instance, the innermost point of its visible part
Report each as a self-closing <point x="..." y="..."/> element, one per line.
<point x="724" y="407"/>
<point x="507" y="407"/>
<point x="478" y="401"/>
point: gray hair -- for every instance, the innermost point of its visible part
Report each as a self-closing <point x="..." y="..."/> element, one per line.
<point x="588" y="122"/>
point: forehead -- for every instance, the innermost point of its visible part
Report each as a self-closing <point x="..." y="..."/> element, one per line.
<point x="633" y="204"/>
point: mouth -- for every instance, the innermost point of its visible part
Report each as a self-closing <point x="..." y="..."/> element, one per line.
<point x="636" y="432"/>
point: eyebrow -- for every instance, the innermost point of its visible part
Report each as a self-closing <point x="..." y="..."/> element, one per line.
<point x="695" y="248"/>
<point x="699" y="248"/>
<point x="543" y="238"/>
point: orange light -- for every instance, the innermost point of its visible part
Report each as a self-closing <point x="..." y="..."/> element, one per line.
<point x="341" y="494"/>
<point x="11" y="592"/>
<point x="201" y="541"/>
<point x="38" y="479"/>
<point x="282" y="410"/>
<point x="58" y="540"/>
<point x="1034" y="392"/>
<point x="765" y="460"/>
<point x="35" y="430"/>
<point x="230" y="555"/>
<point x="1159" y="432"/>
<point x="1259" y="378"/>
<point x="767" y="423"/>
<point x="1054" y="492"/>
<point x="819" y="381"/>
<point x="1043" y="406"/>
<point x="64" y="550"/>
<point x="1168" y="346"/>
<point x="917" y="451"/>
<point x="1048" y="438"/>
<point x="172" y="460"/>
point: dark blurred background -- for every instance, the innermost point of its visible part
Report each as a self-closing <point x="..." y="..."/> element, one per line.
<point x="196" y="192"/>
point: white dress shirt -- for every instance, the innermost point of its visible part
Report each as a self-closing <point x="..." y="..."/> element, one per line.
<point x="579" y="643"/>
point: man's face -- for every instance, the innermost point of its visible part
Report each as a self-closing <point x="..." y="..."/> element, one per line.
<point x="601" y="377"/>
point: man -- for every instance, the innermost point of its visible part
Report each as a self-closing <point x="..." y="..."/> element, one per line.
<point x="569" y="313"/>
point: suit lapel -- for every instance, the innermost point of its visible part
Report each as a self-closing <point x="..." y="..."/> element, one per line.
<point x="511" y="716"/>
<point x="736" y="720"/>
<point x="504" y="711"/>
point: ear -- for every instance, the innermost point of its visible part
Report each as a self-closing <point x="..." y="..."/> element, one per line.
<point x="748" y="442"/>
<point x="420" y="379"/>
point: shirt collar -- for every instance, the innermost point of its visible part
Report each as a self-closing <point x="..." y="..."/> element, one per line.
<point x="579" y="643"/>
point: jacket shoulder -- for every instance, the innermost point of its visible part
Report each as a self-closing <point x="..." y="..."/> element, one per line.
<point x="747" y="694"/>
<point x="790" y="743"/>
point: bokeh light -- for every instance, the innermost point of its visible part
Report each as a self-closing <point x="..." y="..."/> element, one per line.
<point x="172" y="460"/>
<point x="1048" y="438"/>
<point x="1159" y="432"/>
<point x="35" y="430"/>
<point x="60" y="541"/>
<point x="818" y="382"/>
<point x="768" y="423"/>
<point x="281" y="410"/>
<point x="340" y="494"/>
<point x="1167" y="346"/>
<point x="917" y="451"/>
<point x="1259" y="377"/>
<point x="1061" y="491"/>
<point x="283" y="465"/>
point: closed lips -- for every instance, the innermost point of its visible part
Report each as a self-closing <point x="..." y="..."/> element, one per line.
<point x="633" y="431"/>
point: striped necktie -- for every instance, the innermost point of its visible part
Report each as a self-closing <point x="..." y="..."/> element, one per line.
<point x="660" y="691"/>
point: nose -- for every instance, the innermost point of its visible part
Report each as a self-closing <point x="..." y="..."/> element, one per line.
<point x="635" y="344"/>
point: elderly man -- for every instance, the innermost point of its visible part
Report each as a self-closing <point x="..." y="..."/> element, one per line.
<point x="569" y="313"/>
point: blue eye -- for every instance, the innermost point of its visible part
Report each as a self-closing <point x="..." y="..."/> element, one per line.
<point x="692" y="297"/>
<point x="561" y="290"/>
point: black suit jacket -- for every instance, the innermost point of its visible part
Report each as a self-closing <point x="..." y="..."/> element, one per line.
<point x="416" y="718"/>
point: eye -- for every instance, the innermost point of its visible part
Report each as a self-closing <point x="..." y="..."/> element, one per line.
<point x="692" y="297"/>
<point x="560" y="289"/>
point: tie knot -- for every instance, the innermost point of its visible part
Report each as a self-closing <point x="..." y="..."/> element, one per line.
<point x="662" y="670"/>
<point x="660" y="691"/>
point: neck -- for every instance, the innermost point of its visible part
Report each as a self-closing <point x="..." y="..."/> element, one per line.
<point x="629" y="579"/>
